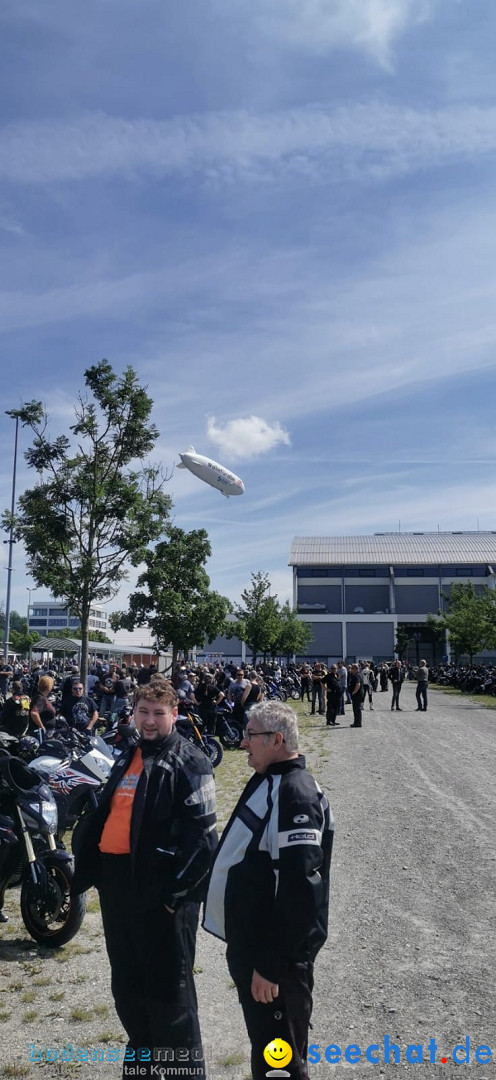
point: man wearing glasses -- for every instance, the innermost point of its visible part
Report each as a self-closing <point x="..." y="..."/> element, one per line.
<point x="268" y="895"/>
<point x="79" y="710"/>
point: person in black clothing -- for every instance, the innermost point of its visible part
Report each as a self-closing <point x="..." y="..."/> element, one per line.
<point x="397" y="676"/>
<point x="206" y="697"/>
<point x="42" y="713"/>
<point x="14" y="718"/>
<point x="331" y="682"/>
<point x="79" y="710"/>
<point x="148" y="848"/>
<point x="355" y="686"/>
<point x="268" y="893"/>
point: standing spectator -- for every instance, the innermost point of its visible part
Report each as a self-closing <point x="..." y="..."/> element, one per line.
<point x="269" y="887"/>
<point x="5" y="676"/>
<point x="422" y="684"/>
<point x="14" y="717"/>
<point x="42" y="713"/>
<point x="236" y="693"/>
<point x="383" y="678"/>
<point x="367" y="678"/>
<point x="343" y="685"/>
<point x="147" y="847"/>
<point x="253" y="693"/>
<point x="79" y="710"/>
<point x="397" y="675"/>
<point x="305" y="682"/>
<point x="333" y="695"/>
<point x="355" y="686"/>
<point x="207" y="696"/>
<point x="317" y="688"/>
<point x="106" y="688"/>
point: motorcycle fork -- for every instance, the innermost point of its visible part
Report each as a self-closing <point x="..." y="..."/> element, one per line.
<point x="30" y="852"/>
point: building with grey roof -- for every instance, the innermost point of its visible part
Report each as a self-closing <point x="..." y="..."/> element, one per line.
<point x="355" y="591"/>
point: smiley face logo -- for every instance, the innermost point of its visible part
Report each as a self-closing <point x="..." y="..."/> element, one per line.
<point x="278" y="1053"/>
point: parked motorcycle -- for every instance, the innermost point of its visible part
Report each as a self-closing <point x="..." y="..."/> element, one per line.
<point x="29" y="856"/>
<point x="191" y="727"/>
<point x="75" y="766"/>
<point x="229" y="731"/>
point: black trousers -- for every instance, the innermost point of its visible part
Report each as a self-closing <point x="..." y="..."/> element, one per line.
<point x="332" y="707"/>
<point x="305" y="687"/>
<point x="287" y="1018"/>
<point x="395" y="701"/>
<point x="151" y="957"/>
<point x="357" y="705"/>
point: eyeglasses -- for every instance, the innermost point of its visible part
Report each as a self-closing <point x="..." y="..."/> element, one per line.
<point x="249" y="735"/>
<point x="77" y="688"/>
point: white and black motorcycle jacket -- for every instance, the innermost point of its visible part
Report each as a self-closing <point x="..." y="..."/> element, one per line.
<point x="268" y="893"/>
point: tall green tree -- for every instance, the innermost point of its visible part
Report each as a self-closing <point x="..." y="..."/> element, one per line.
<point x="174" y="597"/>
<point x="257" y="618"/>
<point x="295" y="636"/>
<point x="470" y="619"/>
<point x="96" y="505"/>
<point x="403" y="639"/>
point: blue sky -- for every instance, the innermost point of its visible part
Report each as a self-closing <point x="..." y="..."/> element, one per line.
<point x="282" y="214"/>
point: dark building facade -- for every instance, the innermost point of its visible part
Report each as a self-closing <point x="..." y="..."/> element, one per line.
<point x="355" y="591"/>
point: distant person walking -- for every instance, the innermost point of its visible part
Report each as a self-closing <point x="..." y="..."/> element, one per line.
<point x="422" y="684"/>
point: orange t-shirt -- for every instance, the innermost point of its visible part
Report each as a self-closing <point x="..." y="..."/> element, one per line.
<point x="116" y="838"/>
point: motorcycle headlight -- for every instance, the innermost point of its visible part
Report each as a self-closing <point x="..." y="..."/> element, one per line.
<point x="49" y="815"/>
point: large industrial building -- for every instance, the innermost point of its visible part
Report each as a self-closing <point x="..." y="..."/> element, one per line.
<point x="355" y="591"/>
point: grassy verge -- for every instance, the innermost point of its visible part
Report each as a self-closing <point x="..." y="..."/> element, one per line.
<point x="485" y="700"/>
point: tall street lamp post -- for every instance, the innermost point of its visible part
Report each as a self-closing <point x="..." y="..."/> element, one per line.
<point x="11" y="548"/>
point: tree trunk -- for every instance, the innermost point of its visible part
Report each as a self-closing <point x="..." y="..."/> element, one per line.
<point x="85" y="619"/>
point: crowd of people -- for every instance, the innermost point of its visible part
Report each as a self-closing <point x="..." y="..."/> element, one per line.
<point x="29" y="706"/>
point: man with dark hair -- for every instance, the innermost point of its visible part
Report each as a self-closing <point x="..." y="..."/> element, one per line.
<point x="148" y="848"/>
<point x="268" y="893"/>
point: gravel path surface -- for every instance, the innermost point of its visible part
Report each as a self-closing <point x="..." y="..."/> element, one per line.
<point x="412" y="945"/>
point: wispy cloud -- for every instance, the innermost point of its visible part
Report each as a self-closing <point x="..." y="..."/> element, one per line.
<point x="321" y="25"/>
<point x="359" y="140"/>
<point x="246" y="437"/>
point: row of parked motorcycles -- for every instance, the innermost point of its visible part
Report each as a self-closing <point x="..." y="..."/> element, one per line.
<point x="47" y="785"/>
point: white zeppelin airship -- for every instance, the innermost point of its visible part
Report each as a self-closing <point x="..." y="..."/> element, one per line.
<point x="212" y="473"/>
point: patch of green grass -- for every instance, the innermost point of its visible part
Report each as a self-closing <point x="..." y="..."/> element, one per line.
<point x="101" y="1010"/>
<point x="17" y="985"/>
<point x="110" y="1037"/>
<point x="79" y="978"/>
<point x="93" y="904"/>
<point x="15" y="1070"/>
<point x="5" y="1014"/>
<point x="69" y="951"/>
<point x="81" y="1015"/>
<point x="58" y="995"/>
<point x="28" y="997"/>
<point x="198" y="970"/>
<point x="42" y="980"/>
<point x="231" y="1059"/>
<point x="486" y="700"/>
<point x="31" y="1014"/>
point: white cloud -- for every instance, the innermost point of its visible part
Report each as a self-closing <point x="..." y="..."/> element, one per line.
<point x="246" y="437"/>
<point x="357" y="141"/>
<point x="320" y="25"/>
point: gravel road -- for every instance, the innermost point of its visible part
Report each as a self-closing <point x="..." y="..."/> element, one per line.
<point x="412" y="944"/>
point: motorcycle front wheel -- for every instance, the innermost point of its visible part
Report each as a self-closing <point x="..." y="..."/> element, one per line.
<point x="215" y="751"/>
<point x="52" y="917"/>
